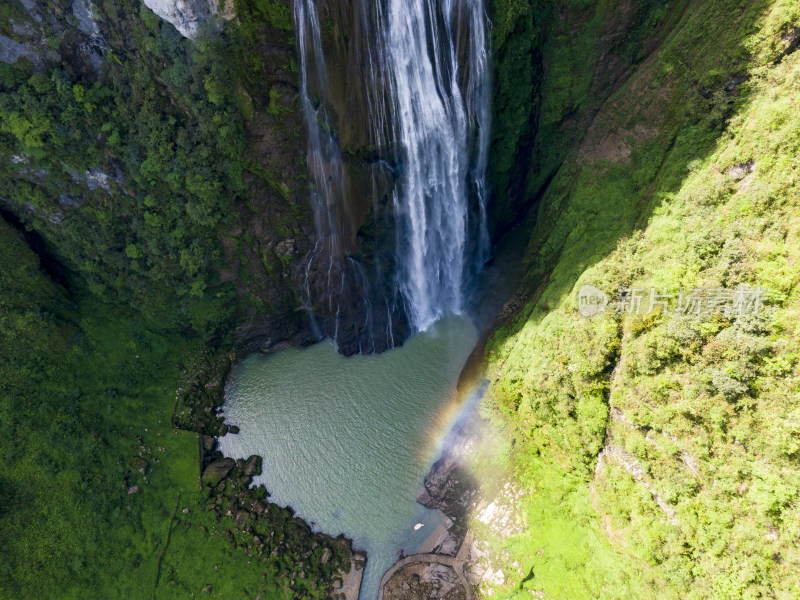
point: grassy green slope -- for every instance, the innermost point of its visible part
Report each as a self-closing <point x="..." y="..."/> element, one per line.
<point x="86" y="400"/>
<point x="695" y="418"/>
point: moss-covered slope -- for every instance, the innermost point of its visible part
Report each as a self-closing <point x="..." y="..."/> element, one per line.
<point x="662" y="451"/>
<point x="556" y="62"/>
<point x="101" y="495"/>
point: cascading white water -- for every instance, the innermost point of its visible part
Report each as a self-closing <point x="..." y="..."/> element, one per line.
<point x="428" y="93"/>
<point x="443" y="137"/>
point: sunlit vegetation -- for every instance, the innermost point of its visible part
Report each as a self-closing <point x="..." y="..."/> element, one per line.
<point x="673" y="439"/>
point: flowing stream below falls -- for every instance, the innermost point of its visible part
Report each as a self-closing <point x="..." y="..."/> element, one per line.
<point x="347" y="442"/>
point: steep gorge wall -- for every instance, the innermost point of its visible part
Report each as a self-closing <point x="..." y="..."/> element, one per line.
<point x="237" y="242"/>
<point x="350" y="274"/>
<point x="165" y="173"/>
<point x="659" y="450"/>
<point x="555" y="65"/>
<point x="164" y="162"/>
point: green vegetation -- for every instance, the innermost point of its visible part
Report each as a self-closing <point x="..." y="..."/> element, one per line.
<point x="659" y="453"/>
<point x="274" y="12"/>
<point x="101" y="495"/>
<point x="133" y="172"/>
<point x="117" y="184"/>
<point x="662" y="451"/>
<point x="564" y="551"/>
<point x="165" y="139"/>
<point x="552" y="74"/>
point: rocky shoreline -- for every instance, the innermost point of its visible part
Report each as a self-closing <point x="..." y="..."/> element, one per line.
<point x="264" y="530"/>
<point x="445" y="566"/>
<point x="456" y="561"/>
<point x="440" y="569"/>
<point x="227" y="482"/>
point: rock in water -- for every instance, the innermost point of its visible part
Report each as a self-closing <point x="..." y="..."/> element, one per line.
<point x="253" y="466"/>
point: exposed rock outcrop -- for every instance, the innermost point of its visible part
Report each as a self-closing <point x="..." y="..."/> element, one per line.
<point x="252" y="466"/>
<point x="11" y="51"/>
<point x="218" y="470"/>
<point x="189" y="16"/>
<point x="450" y="486"/>
<point x="84" y="12"/>
<point x="418" y="581"/>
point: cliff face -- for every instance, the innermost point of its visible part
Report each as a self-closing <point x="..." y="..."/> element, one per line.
<point x="164" y="172"/>
<point x="191" y="17"/>
<point x="350" y="276"/>
<point x="175" y="177"/>
<point x="161" y="155"/>
<point x="657" y="440"/>
<point x="556" y="63"/>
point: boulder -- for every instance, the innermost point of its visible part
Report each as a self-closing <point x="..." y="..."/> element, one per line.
<point x="190" y="16"/>
<point x="241" y="518"/>
<point x="11" y="51"/>
<point x="218" y="470"/>
<point x="139" y="464"/>
<point x="253" y="466"/>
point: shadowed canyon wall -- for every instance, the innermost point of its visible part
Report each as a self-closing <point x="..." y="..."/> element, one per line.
<point x="193" y="198"/>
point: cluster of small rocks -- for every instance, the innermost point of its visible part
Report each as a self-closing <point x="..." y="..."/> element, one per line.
<point x="424" y="582"/>
<point x="265" y="530"/>
<point x="144" y="460"/>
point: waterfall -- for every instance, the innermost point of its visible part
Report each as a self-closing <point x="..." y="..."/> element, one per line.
<point x="434" y="124"/>
<point x="425" y="71"/>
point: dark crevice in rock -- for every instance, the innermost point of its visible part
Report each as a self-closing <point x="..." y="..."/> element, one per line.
<point x="47" y="260"/>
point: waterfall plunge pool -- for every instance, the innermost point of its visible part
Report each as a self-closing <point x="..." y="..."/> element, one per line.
<point x="347" y="442"/>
